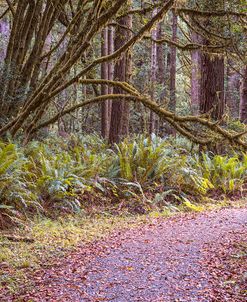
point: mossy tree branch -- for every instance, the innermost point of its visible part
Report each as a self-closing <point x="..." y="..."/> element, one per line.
<point x="177" y="121"/>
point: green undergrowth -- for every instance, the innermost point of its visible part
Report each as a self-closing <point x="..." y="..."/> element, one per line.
<point x="139" y="175"/>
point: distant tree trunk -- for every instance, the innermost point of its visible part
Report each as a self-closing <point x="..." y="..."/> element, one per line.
<point x="195" y="75"/>
<point x="232" y="92"/>
<point x="243" y="97"/>
<point x="104" y="88"/>
<point x="160" y="59"/>
<point x="172" y="103"/>
<point x="63" y="123"/>
<point x="167" y="71"/>
<point x="160" y="70"/>
<point x="110" y="67"/>
<point x="153" y="76"/>
<point x="120" y="110"/>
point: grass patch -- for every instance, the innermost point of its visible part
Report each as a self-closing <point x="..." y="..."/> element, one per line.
<point x="53" y="239"/>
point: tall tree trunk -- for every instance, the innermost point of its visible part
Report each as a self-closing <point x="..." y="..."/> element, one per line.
<point x="243" y="97"/>
<point x="195" y="75"/>
<point x="153" y="76"/>
<point x="120" y="110"/>
<point x="212" y="86"/>
<point x="172" y="103"/>
<point x="160" y="61"/>
<point x="212" y="70"/>
<point x="160" y="71"/>
<point x="110" y="68"/>
<point x="232" y="92"/>
<point x="104" y="88"/>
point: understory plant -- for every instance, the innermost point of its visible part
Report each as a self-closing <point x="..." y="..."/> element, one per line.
<point x="225" y="173"/>
<point x="15" y="195"/>
<point x="67" y="174"/>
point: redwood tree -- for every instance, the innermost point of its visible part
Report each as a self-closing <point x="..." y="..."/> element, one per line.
<point x="173" y="61"/>
<point x="212" y="67"/>
<point x="120" y="110"/>
<point x="232" y="92"/>
<point x="153" y="75"/>
<point x="104" y="88"/>
<point x="243" y="97"/>
<point x="195" y="75"/>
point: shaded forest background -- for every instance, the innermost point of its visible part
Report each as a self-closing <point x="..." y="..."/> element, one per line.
<point x="178" y="58"/>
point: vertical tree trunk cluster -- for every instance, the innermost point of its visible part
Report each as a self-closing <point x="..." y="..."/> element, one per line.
<point x="160" y="76"/>
<point x="107" y="72"/>
<point x="22" y="62"/>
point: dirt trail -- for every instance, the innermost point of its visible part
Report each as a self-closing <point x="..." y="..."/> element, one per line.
<point x="178" y="259"/>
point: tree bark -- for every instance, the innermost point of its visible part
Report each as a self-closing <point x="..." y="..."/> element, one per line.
<point x="212" y="86"/>
<point x="243" y="97"/>
<point x="160" y="73"/>
<point x="172" y="103"/>
<point x="153" y="76"/>
<point x="120" y="110"/>
<point x="160" y="61"/>
<point x="104" y="88"/>
<point x="212" y="69"/>
<point x="110" y="67"/>
<point x="195" y="75"/>
<point x="232" y="92"/>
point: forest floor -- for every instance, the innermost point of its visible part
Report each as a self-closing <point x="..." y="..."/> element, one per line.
<point x="187" y="257"/>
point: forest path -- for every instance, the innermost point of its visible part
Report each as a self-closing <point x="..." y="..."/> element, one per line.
<point x="177" y="259"/>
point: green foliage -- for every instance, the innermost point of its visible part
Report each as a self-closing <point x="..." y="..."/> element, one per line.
<point x="236" y="125"/>
<point x="49" y="174"/>
<point x="155" y="160"/>
<point x="142" y="159"/>
<point x="64" y="174"/>
<point x="14" y="193"/>
<point x="223" y="172"/>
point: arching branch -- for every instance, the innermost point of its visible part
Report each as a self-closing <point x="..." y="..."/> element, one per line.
<point x="188" y="46"/>
<point x="219" y="13"/>
<point x="177" y="121"/>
